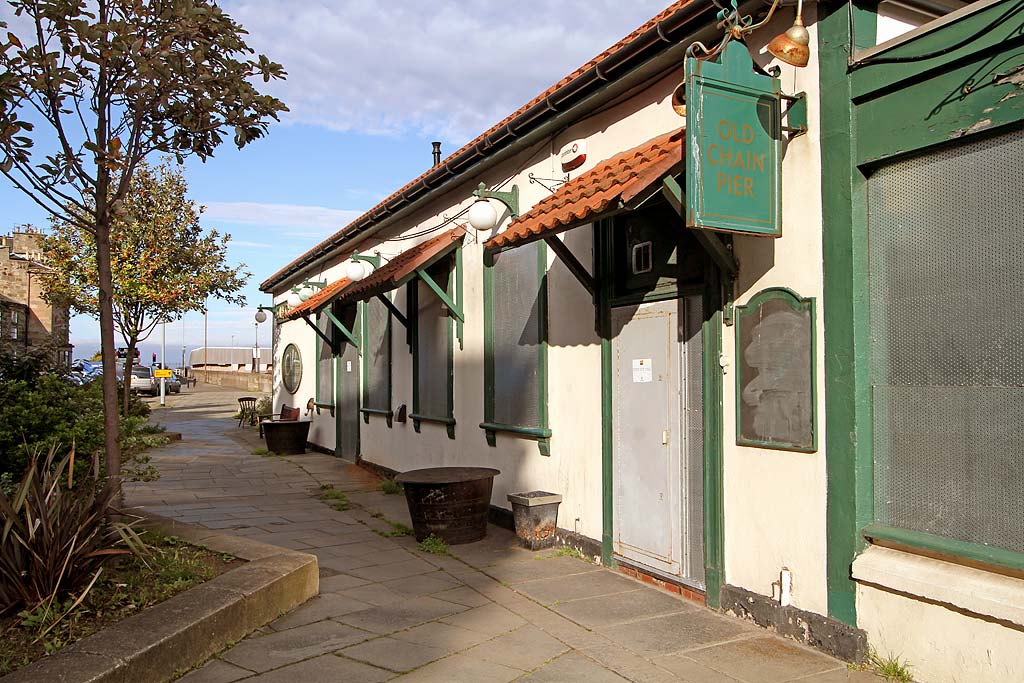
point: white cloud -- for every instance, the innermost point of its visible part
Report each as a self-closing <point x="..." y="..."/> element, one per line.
<point x="285" y="215"/>
<point x="447" y="68"/>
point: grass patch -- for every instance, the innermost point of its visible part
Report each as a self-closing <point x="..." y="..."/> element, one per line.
<point x="434" y="545"/>
<point x="564" y="551"/>
<point x="262" y="452"/>
<point x="890" y="667"/>
<point x="397" y="529"/>
<point x="333" y="497"/>
<point x="568" y="551"/>
<point x="125" y="587"/>
<point x="391" y="487"/>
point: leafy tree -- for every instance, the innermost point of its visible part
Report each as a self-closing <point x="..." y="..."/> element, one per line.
<point x="162" y="262"/>
<point x="100" y="85"/>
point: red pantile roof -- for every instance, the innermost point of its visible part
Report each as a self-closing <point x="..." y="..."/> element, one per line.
<point x="318" y="300"/>
<point x="398" y="270"/>
<point x="664" y="29"/>
<point x="597" y="192"/>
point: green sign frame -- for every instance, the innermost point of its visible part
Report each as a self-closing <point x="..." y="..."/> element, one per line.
<point x="733" y="141"/>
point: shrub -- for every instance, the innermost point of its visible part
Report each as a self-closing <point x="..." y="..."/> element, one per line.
<point x="42" y="411"/>
<point x="56" y="535"/>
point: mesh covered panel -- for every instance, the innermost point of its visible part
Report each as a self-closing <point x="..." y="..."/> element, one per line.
<point x="946" y="267"/>
<point x="517" y="336"/>
<point x="692" y="413"/>
<point x="325" y="362"/>
<point x="377" y="357"/>
<point x="432" y="349"/>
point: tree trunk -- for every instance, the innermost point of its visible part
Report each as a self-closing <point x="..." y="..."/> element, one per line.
<point x="111" y="422"/>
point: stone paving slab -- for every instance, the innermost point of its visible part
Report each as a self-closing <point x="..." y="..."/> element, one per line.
<point x="491" y="611"/>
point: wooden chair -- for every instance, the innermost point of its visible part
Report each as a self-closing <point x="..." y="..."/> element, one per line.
<point x="247" y="410"/>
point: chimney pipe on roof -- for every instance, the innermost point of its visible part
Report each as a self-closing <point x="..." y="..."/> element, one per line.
<point x="437" y="152"/>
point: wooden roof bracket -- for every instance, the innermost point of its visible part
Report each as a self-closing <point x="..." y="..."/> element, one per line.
<point x="572" y="263"/>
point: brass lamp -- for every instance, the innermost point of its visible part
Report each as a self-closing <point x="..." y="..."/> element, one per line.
<point x="792" y="47"/>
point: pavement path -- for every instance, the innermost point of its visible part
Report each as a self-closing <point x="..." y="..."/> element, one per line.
<point x="388" y="611"/>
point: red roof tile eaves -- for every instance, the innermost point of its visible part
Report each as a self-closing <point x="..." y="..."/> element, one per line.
<point x="370" y="216"/>
<point x="592" y="194"/>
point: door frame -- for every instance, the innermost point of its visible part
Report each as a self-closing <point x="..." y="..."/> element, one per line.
<point x="712" y="384"/>
<point x="358" y="373"/>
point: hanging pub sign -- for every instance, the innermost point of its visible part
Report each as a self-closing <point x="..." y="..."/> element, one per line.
<point x="733" y="131"/>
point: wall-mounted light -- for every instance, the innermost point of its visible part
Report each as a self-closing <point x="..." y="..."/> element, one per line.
<point x="293" y="299"/>
<point x="792" y="47"/>
<point x="360" y="266"/>
<point x="261" y="315"/>
<point x="482" y="215"/>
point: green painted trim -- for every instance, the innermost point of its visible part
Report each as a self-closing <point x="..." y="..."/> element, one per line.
<point x="603" y="270"/>
<point x="489" y="337"/>
<point x="338" y="379"/>
<point x="542" y="431"/>
<point x="847" y="396"/>
<point x="460" y="321"/>
<point x="996" y="557"/>
<point x="453" y="307"/>
<point x="515" y="429"/>
<point x="344" y="330"/>
<point x="374" y="411"/>
<point x="413" y="335"/>
<point x="714" y="437"/>
<point x="542" y="361"/>
<point x="797" y="303"/>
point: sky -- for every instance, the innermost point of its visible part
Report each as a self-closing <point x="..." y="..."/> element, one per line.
<point x="370" y="85"/>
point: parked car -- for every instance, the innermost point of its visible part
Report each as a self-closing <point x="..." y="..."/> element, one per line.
<point x="142" y="380"/>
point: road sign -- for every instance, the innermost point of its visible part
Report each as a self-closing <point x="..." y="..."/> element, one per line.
<point x="733" y="166"/>
<point x="163" y="374"/>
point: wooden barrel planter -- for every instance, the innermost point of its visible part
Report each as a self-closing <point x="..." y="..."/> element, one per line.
<point x="286" y="437"/>
<point x="450" y="503"/>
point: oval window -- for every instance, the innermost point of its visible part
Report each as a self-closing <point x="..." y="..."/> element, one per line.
<point x="291" y="368"/>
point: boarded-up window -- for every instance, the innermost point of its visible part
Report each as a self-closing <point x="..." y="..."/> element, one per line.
<point x="517" y="319"/>
<point x="433" y="346"/>
<point x="325" y="362"/>
<point x="946" y="264"/>
<point x="377" y="356"/>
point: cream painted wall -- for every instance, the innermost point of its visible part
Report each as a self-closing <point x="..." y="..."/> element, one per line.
<point x="775" y="500"/>
<point x="767" y="526"/>
<point x="942" y="644"/>
<point x="574" y="467"/>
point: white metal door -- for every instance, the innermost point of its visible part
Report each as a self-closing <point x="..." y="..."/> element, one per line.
<point x="646" y="434"/>
<point x="658" y="437"/>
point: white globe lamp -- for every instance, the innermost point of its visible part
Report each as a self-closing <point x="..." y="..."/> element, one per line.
<point x="358" y="270"/>
<point x="261" y="316"/>
<point x="305" y="292"/>
<point x="293" y="299"/>
<point x="482" y="215"/>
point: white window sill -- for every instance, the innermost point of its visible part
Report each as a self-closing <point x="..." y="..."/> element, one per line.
<point x="974" y="590"/>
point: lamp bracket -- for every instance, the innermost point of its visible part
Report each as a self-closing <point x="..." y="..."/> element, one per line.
<point x="549" y="184"/>
<point x="314" y="283"/>
<point x="509" y="199"/>
<point x="272" y="309"/>
<point x="795" y="114"/>
<point x="374" y="259"/>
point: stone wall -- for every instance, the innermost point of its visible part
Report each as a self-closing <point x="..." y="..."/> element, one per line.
<point x="41" y="325"/>
<point x="245" y="381"/>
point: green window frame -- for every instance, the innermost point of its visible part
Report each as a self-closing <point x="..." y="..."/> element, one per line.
<point x="445" y="274"/>
<point x="941" y="86"/>
<point x="493" y="424"/>
<point x="376" y="349"/>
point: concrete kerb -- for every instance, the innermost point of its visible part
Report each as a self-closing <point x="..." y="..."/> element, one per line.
<point x="178" y="634"/>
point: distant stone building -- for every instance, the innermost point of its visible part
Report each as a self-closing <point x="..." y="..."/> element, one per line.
<point x="27" y="321"/>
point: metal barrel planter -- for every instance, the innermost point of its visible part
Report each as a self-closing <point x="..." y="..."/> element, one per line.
<point x="450" y="503"/>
